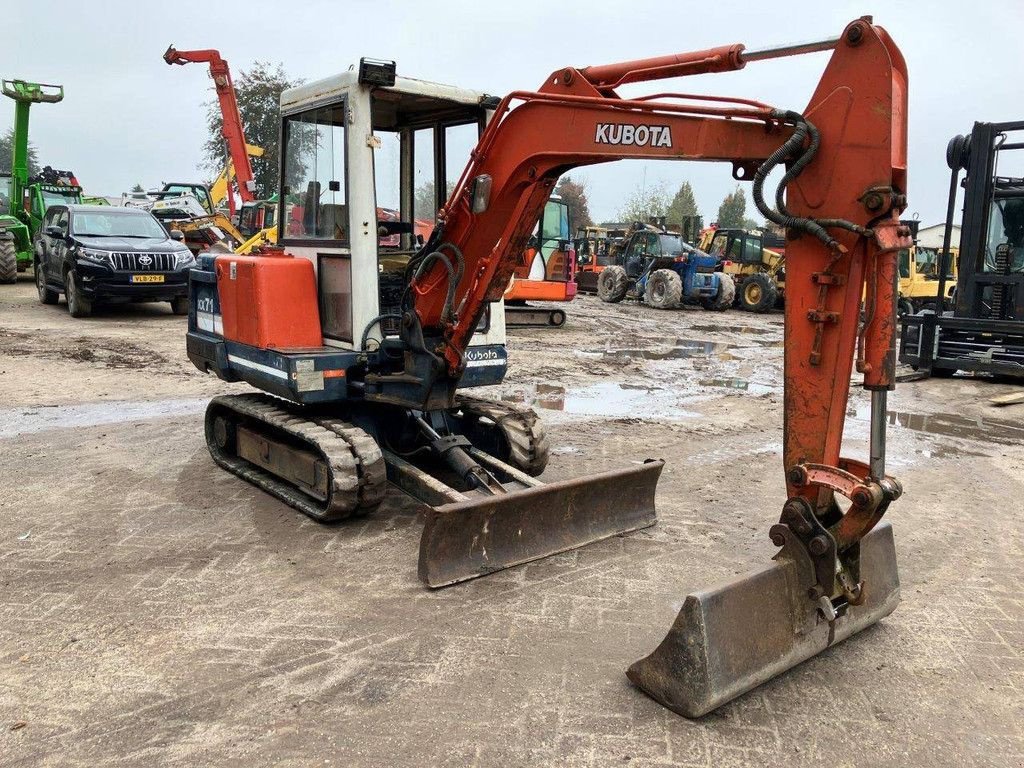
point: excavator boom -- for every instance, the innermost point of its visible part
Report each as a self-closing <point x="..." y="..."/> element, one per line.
<point x="839" y="201"/>
<point x="232" y="126"/>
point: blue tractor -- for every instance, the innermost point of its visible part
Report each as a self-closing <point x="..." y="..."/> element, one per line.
<point x="663" y="270"/>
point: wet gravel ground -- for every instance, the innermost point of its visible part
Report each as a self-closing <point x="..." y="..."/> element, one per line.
<point x="154" y="610"/>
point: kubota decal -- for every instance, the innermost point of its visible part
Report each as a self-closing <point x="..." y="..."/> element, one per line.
<point x="637" y="135"/>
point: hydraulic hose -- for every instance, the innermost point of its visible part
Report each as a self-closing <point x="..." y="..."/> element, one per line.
<point x="369" y="326"/>
<point x="794" y="145"/>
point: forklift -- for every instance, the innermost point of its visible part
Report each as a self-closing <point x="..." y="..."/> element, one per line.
<point x="984" y="332"/>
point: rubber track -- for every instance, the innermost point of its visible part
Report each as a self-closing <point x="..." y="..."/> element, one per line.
<point x="358" y="477"/>
<point x="527" y="439"/>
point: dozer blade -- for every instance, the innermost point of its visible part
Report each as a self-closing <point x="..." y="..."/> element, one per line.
<point x="729" y="639"/>
<point x="464" y="540"/>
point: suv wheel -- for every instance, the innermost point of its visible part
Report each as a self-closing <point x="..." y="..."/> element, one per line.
<point x="46" y="294"/>
<point x="179" y="305"/>
<point x="78" y="305"/>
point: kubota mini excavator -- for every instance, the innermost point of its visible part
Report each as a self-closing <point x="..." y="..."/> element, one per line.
<point x="362" y="384"/>
<point x="546" y="272"/>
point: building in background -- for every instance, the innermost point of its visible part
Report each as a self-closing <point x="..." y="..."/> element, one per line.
<point x="931" y="237"/>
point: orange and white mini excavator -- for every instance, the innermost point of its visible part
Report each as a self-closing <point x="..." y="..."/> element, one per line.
<point x="365" y="365"/>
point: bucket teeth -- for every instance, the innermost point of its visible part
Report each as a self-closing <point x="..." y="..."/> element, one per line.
<point x="731" y="638"/>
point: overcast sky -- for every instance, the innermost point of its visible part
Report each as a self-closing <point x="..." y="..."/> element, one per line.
<point x="128" y="117"/>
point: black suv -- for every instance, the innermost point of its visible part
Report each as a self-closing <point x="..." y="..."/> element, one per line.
<point x="96" y="253"/>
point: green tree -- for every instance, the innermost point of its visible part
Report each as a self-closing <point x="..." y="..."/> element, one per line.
<point x="258" y="91"/>
<point x="574" y="194"/>
<point x="7" y="155"/>
<point x="424" y="203"/>
<point x="732" y="211"/>
<point x="138" y="188"/>
<point x="683" y="204"/>
<point x="646" y="202"/>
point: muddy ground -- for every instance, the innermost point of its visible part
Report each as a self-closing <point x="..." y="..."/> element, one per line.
<point x="154" y="610"/>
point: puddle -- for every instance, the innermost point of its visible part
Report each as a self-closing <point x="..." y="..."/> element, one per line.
<point x="726" y="329"/>
<point x="951" y="425"/>
<point x="738" y="385"/>
<point x="947" y="452"/>
<point x="681" y="349"/>
<point x="602" y="399"/>
<point x="28" y="420"/>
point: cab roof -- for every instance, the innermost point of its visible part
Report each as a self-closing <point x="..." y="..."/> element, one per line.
<point x="411" y="92"/>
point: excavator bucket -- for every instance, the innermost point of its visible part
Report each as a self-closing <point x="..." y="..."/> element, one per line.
<point x="731" y="638"/>
<point x="464" y="540"/>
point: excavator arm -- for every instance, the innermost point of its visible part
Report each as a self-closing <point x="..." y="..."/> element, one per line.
<point x="839" y="200"/>
<point x="232" y="127"/>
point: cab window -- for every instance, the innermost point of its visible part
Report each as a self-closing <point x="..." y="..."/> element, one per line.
<point x="752" y="250"/>
<point x="719" y="244"/>
<point x="904" y="262"/>
<point x="653" y="246"/>
<point x="314" y="174"/>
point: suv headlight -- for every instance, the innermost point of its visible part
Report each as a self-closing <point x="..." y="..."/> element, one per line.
<point x="184" y="259"/>
<point x="95" y="255"/>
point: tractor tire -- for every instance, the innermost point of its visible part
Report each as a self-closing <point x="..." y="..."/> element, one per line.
<point x="758" y="293"/>
<point x="726" y="294"/>
<point x="46" y="294"/>
<point x="179" y="305"/>
<point x="78" y="305"/>
<point x="8" y="261"/>
<point x="612" y="284"/>
<point x="664" y="289"/>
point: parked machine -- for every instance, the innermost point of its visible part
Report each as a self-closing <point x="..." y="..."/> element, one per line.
<point x="255" y="221"/>
<point x="663" y="270"/>
<point x="188" y="207"/>
<point x="595" y="250"/>
<point x="26" y="200"/>
<point x="360" y="389"/>
<point x="755" y="260"/>
<point x="546" y="271"/>
<point x="985" y="329"/>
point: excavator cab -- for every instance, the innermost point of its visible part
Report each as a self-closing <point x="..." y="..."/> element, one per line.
<point x="369" y="167"/>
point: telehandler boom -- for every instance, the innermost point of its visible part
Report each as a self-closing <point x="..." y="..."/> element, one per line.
<point x="366" y="387"/>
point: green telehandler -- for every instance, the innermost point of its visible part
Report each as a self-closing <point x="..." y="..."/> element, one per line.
<point x="22" y="204"/>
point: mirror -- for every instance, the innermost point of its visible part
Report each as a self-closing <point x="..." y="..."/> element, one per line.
<point x="53" y="231"/>
<point x="177" y="234"/>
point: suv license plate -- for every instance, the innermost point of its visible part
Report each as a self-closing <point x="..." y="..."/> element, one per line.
<point x="147" y="278"/>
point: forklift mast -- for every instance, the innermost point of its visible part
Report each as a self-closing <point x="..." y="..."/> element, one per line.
<point x="985" y="331"/>
<point x="991" y="280"/>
